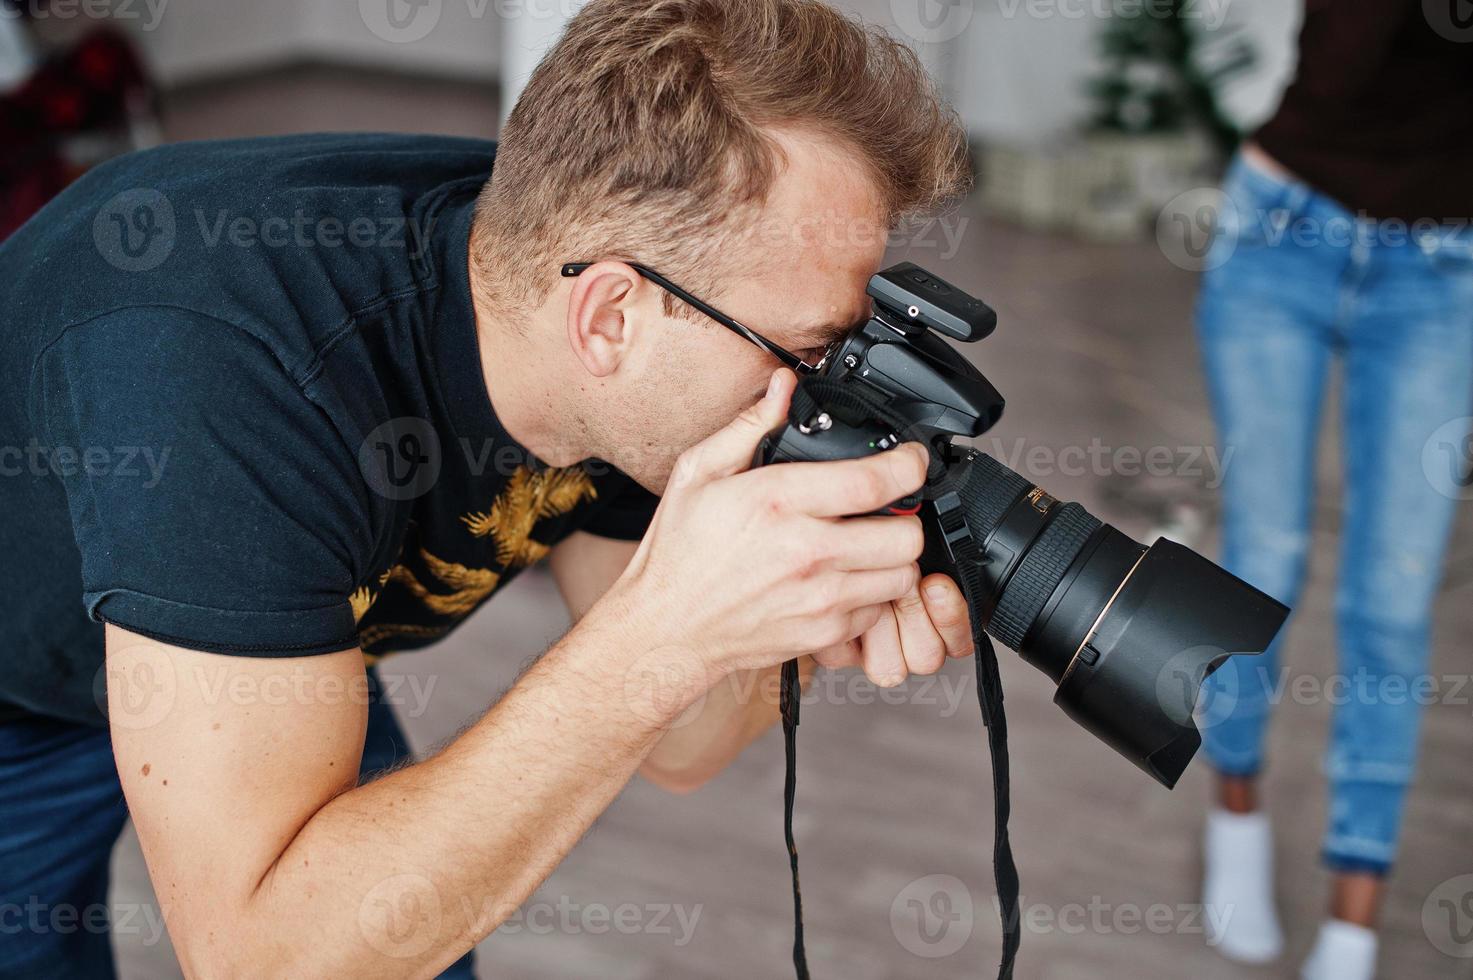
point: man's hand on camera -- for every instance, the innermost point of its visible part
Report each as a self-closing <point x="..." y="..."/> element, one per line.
<point x="914" y="635"/>
<point x="747" y="568"/>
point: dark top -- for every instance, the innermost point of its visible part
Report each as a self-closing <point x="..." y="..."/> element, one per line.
<point x="242" y="410"/>
<point x="1380" y="116"/>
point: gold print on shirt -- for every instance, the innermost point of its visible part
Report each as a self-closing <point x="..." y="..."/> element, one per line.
<point x="362" y="598"/>
<point x="469" y="585"/>
<point x="449" y="589"/>
<point x="528" y="498"/>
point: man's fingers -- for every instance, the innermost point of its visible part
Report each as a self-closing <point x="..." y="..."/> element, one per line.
<point x="881" y="654"/>
<point x="919" y="640"/>
<point x="877" y="586"/>
<point x="947" y="611"/>
<point x="729" y="450"/>
<point x="852" y="486"/>
<point x="838" y="656"/>
<point x="874" y="542"/>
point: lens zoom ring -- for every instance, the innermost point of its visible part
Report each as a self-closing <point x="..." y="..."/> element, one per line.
<point x="987" y="492"/>
<point x="1039" y="574"/>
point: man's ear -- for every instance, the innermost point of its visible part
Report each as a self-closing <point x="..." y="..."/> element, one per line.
<point x="599" y="328"/>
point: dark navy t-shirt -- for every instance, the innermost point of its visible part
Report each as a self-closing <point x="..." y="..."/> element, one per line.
<point x="242" y="410"/>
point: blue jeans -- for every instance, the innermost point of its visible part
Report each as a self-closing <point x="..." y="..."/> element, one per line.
<point x="1296" y="282"/>
<point x="61" y="810"/>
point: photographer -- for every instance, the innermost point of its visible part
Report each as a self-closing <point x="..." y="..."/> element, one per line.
<point x="331" y="417"/>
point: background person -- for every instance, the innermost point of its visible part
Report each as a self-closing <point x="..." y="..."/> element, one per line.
<point x="1349" y="245"/>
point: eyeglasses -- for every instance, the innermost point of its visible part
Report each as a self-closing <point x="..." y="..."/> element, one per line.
<point x="791" y="360"/>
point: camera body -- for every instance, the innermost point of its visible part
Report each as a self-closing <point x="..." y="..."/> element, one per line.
<point x="1127" y="632"/>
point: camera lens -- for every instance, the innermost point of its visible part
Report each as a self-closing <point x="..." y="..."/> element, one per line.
<point x="1127" y="632"/>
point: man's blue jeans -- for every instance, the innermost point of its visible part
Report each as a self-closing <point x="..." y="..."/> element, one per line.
<point x="61" y="811"/>
<point x="1296" y="282"/>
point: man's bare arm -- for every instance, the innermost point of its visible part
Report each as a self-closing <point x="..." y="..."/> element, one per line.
<point x="266" y="855"/>
<point x="715" y="730"/>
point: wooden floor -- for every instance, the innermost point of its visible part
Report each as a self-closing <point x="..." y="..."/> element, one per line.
<point x="1094" y="343"/>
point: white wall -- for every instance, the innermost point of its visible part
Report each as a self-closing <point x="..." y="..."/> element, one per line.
<point x="452" y="37"/>
<point x="1016" y="69"/>
<point x="1021" y="77"/>
<point x="195" y="39"/>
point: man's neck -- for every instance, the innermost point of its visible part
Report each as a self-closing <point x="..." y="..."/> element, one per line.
<point x="528" y="393"/>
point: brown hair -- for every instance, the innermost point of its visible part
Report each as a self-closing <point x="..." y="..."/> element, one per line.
<point x="641" y="134"/>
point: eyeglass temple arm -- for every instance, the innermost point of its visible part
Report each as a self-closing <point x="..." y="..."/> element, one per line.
<point x="571" y="269"/>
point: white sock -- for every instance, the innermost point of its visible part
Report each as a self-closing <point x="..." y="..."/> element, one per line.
<point x="1238" y="888"/>
<point x="1343" y="951"/>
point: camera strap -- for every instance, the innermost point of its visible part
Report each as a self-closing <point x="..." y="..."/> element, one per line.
<point x="813" y="396"/>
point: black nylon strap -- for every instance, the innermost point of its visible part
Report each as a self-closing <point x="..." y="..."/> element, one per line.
<point x="1004" y="870"/>
<point x="791" y="692"/>
<point x="812" y="396"/>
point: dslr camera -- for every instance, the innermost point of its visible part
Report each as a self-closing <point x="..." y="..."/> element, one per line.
<point x="1127" y="632"/>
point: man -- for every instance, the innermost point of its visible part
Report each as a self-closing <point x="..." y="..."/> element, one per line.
<point x="279" y="405"/>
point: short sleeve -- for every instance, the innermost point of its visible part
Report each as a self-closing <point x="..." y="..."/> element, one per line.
<point x="627" y="513"/>
<point x="214" y="505"/>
